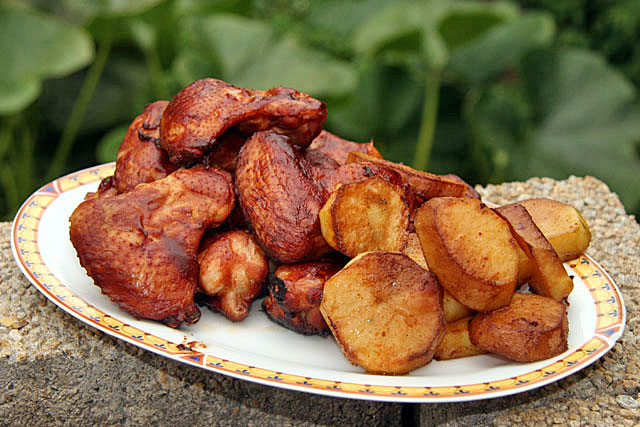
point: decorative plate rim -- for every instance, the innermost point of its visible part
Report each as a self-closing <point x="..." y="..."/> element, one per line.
<point x="607" y="299"/>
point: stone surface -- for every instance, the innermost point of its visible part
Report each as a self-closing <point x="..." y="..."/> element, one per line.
<point x="56" y="370"/>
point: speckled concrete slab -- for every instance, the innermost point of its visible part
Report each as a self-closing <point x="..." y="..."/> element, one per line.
<point x="54" y="369"/>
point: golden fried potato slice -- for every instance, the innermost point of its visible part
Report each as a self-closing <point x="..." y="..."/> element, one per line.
<point x="385" y="312"/>
<point x="369" y="215"/>
<point x="532" y="327"/>
<point x="470" y="249"/>
<point x="548" y="276"/>
<point x="414" y="251"/>
<point x="561" y="224"/>
<point x="452" y="309"/>
<point x="424" y="184"/>
<point x="456" y="342"/>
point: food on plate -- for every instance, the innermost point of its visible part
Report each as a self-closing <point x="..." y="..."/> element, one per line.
<point x="470" y="249"/>
<point x="295" y="292"/>
<point x="561" y="224"/>
<point x="385" y="312"/>
<point x="221" y="185"/>
<point x="338" y="148"/>
<point x="203" y="111"/>
<point x="456" y="342"/>
<point x="225" y="153"/>
<point x="469" y="191"/>
<point x="139" y="158"/>
<point x="281" y="193"/>
<point x="532" y="327"/>
<point x="280" y="199"/>
<point x="548" y="276"/>
<point x="140" y="247"/>
<point x="453" y="310"/>
<point x="424" y="184"/>
<point x="232" y="271"/>
<point x="364" y="216"/>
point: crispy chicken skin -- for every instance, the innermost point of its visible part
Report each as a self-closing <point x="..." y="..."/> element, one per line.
<point x="280" y="198"/>
<point x="140" y="247"/>
<point x="203" y="111"/>
<point x="338" y="148"/>
<point x="140" y="159"/>
<point x="232" y="271"/>
<point x="295" y="293"/>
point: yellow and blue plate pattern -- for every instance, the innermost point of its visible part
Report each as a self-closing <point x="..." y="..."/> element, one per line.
<point x="41" y="249"/>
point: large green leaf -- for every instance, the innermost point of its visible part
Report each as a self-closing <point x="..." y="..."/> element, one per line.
<point x="431" y="29"/>
<point x="250" y="54"/>
<point x="34" y="47"/>
<point x="502" y="47"/>
<point x="583" y="119"/>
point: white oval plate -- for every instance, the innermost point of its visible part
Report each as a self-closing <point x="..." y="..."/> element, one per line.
<point x="258" y="350"/>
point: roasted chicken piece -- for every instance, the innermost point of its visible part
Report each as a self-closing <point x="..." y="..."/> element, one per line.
<point x="295" y="293"/>
<point x="280" y="198"/>
<point x="338" y="148"/>
<point x="140" y="159"/>
<point x="140" y="247"/>
<point x="232" y="271"/>
<point x="203" y="111"/>
<point x="225" y="153"/>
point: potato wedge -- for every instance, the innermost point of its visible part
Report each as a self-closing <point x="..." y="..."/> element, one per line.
<point x="531" y="328"/>
<point x="548" y="276"/>
<point x="424" y="184"/>
<point x="370" y="215"/>
<point x="470" y="249"/>
<point x="385" y="312"/>
<point x="561" y="224"/>
<point x="456" y="342"/>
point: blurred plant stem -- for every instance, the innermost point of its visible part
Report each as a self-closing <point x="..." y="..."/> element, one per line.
<point x="79" y="109"/>
<point x="17" y="160"/>
<point x="428" y="120"/>
<point x="155" y="73"/>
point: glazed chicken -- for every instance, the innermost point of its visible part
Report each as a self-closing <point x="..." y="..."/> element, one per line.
<point x="232" y="271"/>
<point x="338" y="148"/>
<point x="139" y="158"/>
<point x="295" y="293"/>
<point x="140" y="247"/>
<point x="203" y="111"/>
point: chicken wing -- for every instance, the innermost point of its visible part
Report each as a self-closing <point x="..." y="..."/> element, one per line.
<point x="232" y="271"/>
<point x="295" y="293"/>
<point x="280" y="198"/>
<point x="203" y="111"/>
<point x="140" y="247"/>
<point x="338" y="148"/>
<point x="140" y="159"/>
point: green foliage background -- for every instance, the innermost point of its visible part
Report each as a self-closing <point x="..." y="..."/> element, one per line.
<point x="493" y="91"/>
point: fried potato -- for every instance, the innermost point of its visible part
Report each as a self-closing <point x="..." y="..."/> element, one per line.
<point x="531" y="328"/>
<point x="338" y="148"/>
<point x="548" y="276"/>
<point x="370" y="215"/>
<point x="562" y="225"/>
<point x="424" y="184"/>
<point x="385" y="312"/>
<point x="453" y="309"/>
<point x="456" y="342"/>
<point x="470" y="249"/>
<point x="414" y="251"/>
